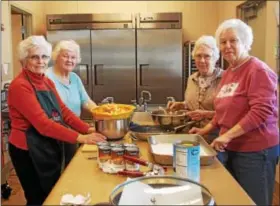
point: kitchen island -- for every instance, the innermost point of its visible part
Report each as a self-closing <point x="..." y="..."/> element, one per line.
<point x="83" y="176"/>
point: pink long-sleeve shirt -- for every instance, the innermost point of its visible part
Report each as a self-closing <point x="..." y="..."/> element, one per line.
<point x="248" y="96"/>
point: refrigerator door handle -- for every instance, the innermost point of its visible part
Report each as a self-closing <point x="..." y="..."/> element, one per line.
<point x="98" y="77"/>
<point x="141" y="68"/>
<point x="83" y="73"/>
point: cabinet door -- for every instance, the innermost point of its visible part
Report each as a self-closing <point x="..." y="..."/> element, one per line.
<point x="113" y="65"/>
<point x="159" y="63"/>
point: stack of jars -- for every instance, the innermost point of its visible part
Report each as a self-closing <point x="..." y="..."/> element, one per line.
<point x="111" y="157"/>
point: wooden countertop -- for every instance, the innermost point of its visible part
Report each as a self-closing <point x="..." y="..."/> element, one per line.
<point x="83" y="176"/>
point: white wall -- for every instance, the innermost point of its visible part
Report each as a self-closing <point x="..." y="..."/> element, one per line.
<point x="266" y="32"/>
<point x="199" y="17"/>
<point x="6" y="43"/>
<point x="38" y="18"/>
<point x="271" y="34"/>
<point x="259" y="26"/>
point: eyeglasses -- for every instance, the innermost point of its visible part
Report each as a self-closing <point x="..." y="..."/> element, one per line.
<point x="37" y="57"/>
<point x="200" y="56"/>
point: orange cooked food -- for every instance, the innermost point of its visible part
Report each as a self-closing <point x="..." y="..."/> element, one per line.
<point x="113" y="111"/>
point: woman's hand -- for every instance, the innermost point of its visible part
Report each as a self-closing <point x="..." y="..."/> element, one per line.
<point x="89" y="105"/>
<point x="91" y="130"/>
<point x="202" y="131"/>
<point x="175" y="105"/>
<point x="220" y="143"/>
<point x="92" y="138"/>
<point x="198" y="114"/>
<point x="195" y="130"/>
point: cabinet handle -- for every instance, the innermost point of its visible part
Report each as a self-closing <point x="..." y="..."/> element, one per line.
<point x="141" y="68"/>
<point x="97" y="67"/>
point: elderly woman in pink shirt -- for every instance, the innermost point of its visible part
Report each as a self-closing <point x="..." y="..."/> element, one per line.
<point x="246" y="113"/>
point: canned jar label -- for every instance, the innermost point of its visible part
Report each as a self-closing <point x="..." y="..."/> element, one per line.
<point x="102" y="144"/>
<point x="117" y="159"/>
<point x="181" y="171"/>
<point x="116" y="145"/>
<point x="186" y="160"/>
<point x="132" y="152"/>
<point x="129" y="145"/>
<point x="104" y="155"/>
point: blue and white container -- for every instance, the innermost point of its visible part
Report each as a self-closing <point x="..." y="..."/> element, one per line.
<point x="186" y="159"/>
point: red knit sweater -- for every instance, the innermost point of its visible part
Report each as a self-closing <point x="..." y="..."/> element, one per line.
<point x="248" y="97"/>
<point x="25" y="111"/>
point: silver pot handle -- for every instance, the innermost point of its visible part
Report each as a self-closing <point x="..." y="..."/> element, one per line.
<point x="180" y="127"/>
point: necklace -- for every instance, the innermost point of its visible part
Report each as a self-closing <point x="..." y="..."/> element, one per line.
<point x="245" y="60"/>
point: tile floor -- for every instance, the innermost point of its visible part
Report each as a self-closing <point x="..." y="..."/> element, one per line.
<point x="17" y="196"/>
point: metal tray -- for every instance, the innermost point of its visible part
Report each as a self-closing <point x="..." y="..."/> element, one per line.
<point x="170" y="138"/>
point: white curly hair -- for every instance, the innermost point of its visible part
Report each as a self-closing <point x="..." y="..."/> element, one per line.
<point x="210" y="42"/>
<point x="70" y="45"/>
<point x="31" y="42"/>
<point x="244" y="32"/>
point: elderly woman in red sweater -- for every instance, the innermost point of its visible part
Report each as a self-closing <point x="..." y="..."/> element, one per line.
<point x="247" y="114"/>
<point x="40" y="123"/>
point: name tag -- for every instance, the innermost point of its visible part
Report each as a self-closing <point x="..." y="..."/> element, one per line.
<point x="227" y="90"/>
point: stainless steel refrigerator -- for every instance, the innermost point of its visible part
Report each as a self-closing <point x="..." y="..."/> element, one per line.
<point x="123" y="54"/>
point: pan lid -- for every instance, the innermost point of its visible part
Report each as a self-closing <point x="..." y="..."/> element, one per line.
<point x="161" y="190"/>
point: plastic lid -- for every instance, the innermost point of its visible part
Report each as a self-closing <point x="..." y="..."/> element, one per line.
<point x="161" y="190"/>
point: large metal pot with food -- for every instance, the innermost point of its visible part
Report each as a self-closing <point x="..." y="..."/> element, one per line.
<point x="112" y="120"/>
<point x="171" y="120"/>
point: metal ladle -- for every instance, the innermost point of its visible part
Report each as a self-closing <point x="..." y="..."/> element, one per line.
<point x="180" y="127"/>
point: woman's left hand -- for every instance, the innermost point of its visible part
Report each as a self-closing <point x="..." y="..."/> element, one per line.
<point x="220" y="143"/>
<point x="197" y="115"/>
<point x="91" y="130"/>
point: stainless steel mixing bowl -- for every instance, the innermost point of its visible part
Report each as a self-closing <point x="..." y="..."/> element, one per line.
<point x="114" y="129"/>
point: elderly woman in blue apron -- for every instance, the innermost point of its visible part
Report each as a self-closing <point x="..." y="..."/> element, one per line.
<point x="40" y="123"/>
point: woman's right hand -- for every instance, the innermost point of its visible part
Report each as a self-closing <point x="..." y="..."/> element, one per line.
<point x="196" y="130"/>
<point x="175" y="105"/>
<point x="91" y="138"/>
